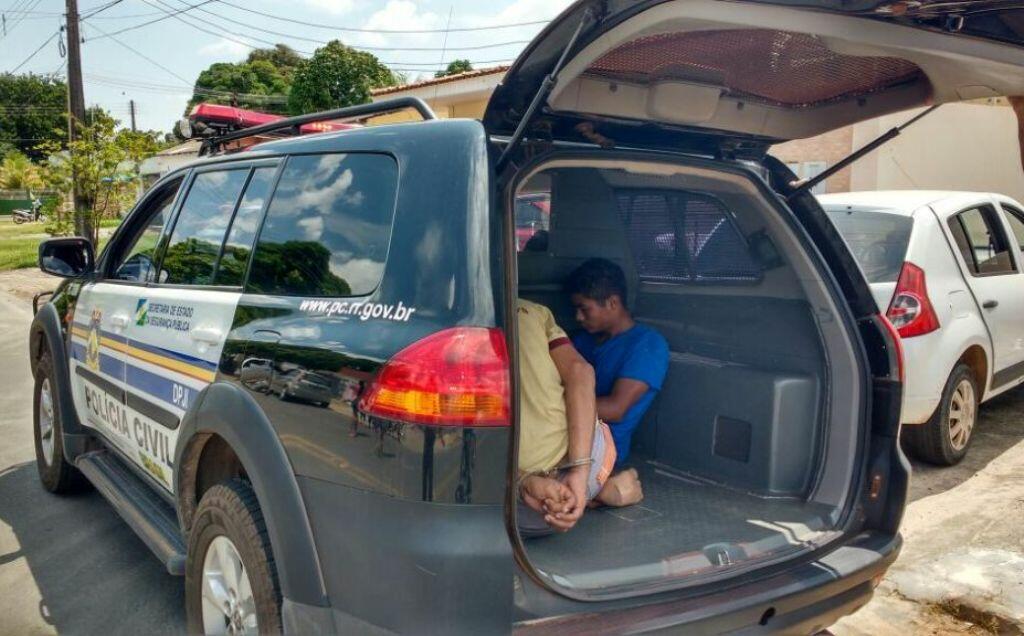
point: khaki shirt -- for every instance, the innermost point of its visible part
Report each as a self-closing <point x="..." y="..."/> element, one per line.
<point x="543" y="427"/>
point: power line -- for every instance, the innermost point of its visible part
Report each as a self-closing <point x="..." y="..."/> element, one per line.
<point x="361" y="48"/>
<point x="33" y="54"/>
<point x="143" y="56"/>
<point x="30" y="4"/>
<point x="395" y="31"/>
<point x="154" y="20"/>
<point x="99" y="10"/>
<point x="397" y="66"/>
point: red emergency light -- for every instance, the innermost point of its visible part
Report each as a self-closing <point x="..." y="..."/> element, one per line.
<point x="234" y="118"/>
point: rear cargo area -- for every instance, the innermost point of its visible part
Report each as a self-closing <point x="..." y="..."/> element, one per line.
<point x="745" y="455"/>
<point x="684" y="525"/>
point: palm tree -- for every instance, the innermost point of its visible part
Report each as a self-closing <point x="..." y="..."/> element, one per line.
<point x="17" y="172"/>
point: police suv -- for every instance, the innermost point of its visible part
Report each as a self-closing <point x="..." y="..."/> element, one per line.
<point x="293" y="369"/>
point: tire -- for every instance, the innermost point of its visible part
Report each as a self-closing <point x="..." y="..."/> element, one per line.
<point x="229" y="518"/>
<point x="56" y="474"/>
<point x="18" y="220"/>
<point x="945" y="438"/>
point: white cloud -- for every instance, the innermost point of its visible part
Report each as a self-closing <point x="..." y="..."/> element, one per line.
<point x="362" y="274"/>
<point x="225" y="48"/>
<point x="400" y="15"/>
<point x="334" y="7"/>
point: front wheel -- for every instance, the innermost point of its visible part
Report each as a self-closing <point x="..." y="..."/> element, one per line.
<point x="56" y="474"/>
<point x="945" y="438"/>
<point x="231" y="584"/>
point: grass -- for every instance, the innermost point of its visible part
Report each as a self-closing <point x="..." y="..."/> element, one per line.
<point x="19" y="244"/>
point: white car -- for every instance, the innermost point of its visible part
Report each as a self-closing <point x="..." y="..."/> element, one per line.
<point x="948" y="269"/>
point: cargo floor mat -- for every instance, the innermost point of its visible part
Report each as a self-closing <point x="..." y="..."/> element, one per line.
<point x="683" y="525"/>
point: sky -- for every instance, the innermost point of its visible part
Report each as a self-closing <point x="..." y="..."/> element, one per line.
<point x="180" y="38"/>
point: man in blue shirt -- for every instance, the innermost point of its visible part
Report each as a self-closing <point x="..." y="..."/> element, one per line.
<point x="629" y="359"/>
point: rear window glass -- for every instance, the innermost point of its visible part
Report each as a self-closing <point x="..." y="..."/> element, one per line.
<point x="678" y="236"/>
<point x="328" y="226"/>
<point x="878" y="240"/>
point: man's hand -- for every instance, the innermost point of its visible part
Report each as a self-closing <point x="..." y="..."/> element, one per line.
<point x="546" y="495"/>
<point x="576" y="481"/>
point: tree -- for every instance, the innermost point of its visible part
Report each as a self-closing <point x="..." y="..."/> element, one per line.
<point x="103" y="162"/>
<point x="454" y="68"/>
<point x="17" y="172"/>
<point x="336" y="76"/>
<point x="261" y="82"/>
<point x="33" y="111"/>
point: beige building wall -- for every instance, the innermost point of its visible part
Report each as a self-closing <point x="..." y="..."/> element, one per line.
<point x="958" y="147"/>
<point x="829" y="148"/>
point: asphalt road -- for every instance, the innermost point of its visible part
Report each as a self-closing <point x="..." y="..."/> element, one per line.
<point x="70" y="565"/>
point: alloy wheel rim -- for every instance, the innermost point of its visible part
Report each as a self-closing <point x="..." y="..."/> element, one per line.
<point x="227" y="599"/>
<point x="46" y="430"/>
<point x="963" y="411"/>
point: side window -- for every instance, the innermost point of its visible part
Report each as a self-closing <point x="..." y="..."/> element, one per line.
<point x="242" y="235"/>
<point x="328" y="226"/>
<point x="982" y="242"/>
<point x="191" y="254"/>
<point x="533" y="221"/>
<point x="1016" y="219"/>
<point x="678" y="236"/>
<point x="136" y="263"/>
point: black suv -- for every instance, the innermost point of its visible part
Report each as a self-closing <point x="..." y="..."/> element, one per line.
<point x="293" y="369"/>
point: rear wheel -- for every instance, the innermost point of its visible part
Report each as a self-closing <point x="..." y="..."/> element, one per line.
<point x="55" y="473"/>
<point x="945" y="438"/>
<point x="231" y="582"/>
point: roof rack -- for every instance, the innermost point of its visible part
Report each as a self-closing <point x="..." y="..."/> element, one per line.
<point x="212" y="144"/>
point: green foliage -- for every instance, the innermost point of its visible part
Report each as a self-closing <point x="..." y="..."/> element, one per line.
<point x="454" y="68"/>
<point x="17" y="172"/>
<point x="266" y="72"/>
<point x="295" y="267"/>
<point x="46" y="122"/>
<point x="190" y="262"/>
<point x="336" y="76"/>
<point x="103" y="163"/>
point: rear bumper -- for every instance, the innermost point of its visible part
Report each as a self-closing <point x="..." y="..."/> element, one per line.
<point x="804" y="600"/>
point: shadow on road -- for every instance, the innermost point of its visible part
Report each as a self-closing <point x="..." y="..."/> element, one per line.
<point x="92" y="573"/>
<point x="1000" y="427"/>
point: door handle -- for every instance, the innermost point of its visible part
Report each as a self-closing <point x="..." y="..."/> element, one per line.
<point x="990" y="304"/>
<point x="120" y="321"/>
<point x="207" y="335"/>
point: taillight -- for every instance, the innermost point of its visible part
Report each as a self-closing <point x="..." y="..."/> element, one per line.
<point x="910" y="310"/>
<point x="455" y="377"/>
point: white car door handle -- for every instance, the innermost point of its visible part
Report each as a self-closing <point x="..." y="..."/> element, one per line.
<point x="206" y="335"/>
<point x="120" y="321"/>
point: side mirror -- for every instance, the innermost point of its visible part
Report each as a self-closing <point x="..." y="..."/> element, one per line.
<point x="66" y="257"/>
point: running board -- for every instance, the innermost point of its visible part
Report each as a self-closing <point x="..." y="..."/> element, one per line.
<point x="152" y="518"/>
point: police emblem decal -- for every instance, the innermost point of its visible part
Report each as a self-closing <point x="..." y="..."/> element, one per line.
<point x="92" y="349"/>
<point x="142" y="312"/>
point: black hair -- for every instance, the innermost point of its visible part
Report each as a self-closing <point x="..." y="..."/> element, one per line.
<point x="599" y="279"/>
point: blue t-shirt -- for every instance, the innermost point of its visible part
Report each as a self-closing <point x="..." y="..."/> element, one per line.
<point x="640" y="353"/>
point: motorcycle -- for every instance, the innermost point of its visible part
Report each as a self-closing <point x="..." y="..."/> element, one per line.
<point x="24" y="216"/>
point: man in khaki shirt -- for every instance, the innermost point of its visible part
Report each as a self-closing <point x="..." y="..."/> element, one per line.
<point x="565" y="454"/>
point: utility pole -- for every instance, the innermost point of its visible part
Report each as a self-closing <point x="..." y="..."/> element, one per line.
<point x="76" y="112"/>
<point x="131" y="107"/>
